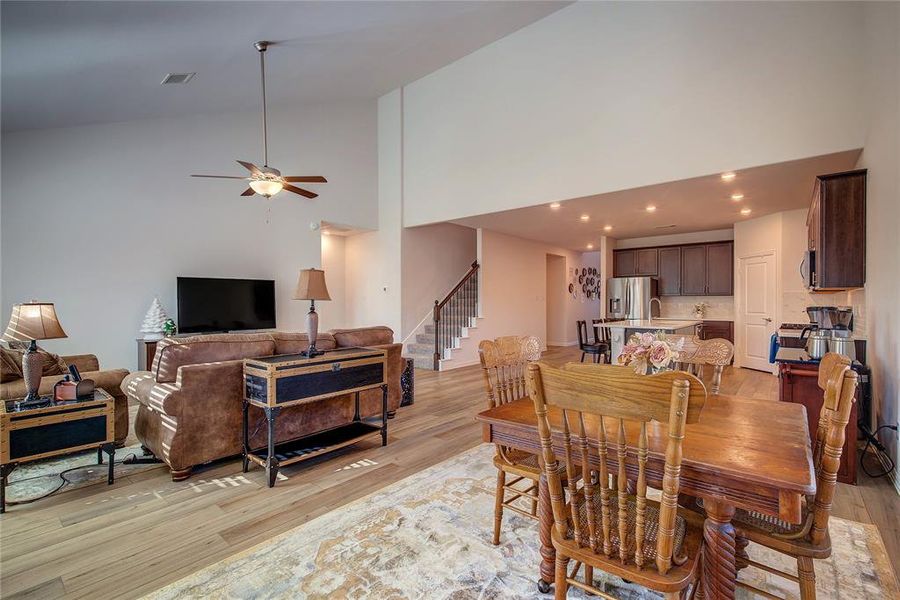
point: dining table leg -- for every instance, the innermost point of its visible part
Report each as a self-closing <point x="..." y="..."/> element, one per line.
<point x="548" y="553"/>
<point x="719" y="566"/>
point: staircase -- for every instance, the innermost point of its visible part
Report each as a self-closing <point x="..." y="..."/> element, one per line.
<point x="451" y="320"/>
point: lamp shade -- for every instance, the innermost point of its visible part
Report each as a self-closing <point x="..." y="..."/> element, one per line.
<point x="33" y="321"/>
<point x="311" y="285"/>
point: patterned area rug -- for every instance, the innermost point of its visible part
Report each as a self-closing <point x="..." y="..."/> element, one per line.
<point x="428" y="536"/>
<point x="35" y="480"/>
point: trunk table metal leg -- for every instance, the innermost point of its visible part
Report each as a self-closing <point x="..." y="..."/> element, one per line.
<point x="245" y="439"/>
<point x="384" y="413"/>
<point x="5" y="470"/>
<point x="111" y="450"/>
<point x="271" y="460"/>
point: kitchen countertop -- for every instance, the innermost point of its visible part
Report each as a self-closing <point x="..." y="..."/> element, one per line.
<point x="652" y="325"/>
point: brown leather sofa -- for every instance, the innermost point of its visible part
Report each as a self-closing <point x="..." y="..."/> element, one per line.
<point x="89" y="367"/>
<point x="189" y="410"/>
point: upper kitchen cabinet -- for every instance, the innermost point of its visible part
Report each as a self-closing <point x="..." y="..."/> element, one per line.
<point x="624" y="263"/>
<point x="836" y="227"/>
<point x="669" y="271"/>
<point x="687" y="270"/>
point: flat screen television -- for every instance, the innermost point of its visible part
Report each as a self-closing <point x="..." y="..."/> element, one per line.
<point x="209" y="305"/>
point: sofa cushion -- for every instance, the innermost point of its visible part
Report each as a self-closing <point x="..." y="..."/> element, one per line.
<point x="172" y="353"/>
<point x="363" y="336"/>
<point x="290" y="342"/>
<point x="11" y="364"/>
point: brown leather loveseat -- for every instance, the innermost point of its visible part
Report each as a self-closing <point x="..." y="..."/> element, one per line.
<point x="189" y="410"/>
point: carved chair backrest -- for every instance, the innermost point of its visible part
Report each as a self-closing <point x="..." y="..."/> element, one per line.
<point x="595" y="401"/>
<point x="840" y="394"/>
<point x="829" y="366"/>
<point x="582" y="333"/>
<point x="717" y="352"/>
<point x="503" y="363"/>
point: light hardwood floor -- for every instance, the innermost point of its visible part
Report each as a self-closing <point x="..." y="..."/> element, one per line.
<point x="146" y="531"/>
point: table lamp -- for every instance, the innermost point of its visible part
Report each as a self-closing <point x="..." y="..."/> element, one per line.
<point x="311" y="286"/>
<point x="30" y="322"/>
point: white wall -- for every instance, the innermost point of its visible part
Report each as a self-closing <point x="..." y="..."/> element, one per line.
<point x="513" y="288"/>
<point x="373" y="259"/>
<point x="882" y="157"/>
<point x="100" y="219"/>
<point x="333" y="314"/>
<point x="604" y="96"/>
<point x="434" y="259"/>
<point x="556" y="293"/>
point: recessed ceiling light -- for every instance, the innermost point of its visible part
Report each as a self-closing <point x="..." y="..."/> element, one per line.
<point x="607" y="228"/>
<point x="745" y="211"/>
<point x="585" y="218"/>
<point x="737" y="197"/>
<point x="728" y="176"/>
<point x="173" y="78"/>
<point x="590" y="246"/>
<point x="650" y="208"/>
<point x="554" y="205"/>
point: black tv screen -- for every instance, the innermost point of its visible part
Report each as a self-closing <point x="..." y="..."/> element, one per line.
<point x="208" y="305"/>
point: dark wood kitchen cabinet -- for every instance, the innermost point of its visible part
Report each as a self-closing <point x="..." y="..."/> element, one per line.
<point x="836" y="227"/>
<point x="669" y="271"/>
<point x="624" y="263"/>
<point x="709" y="330"/>
<point x="645" y="262"/>
<point x="684" y="270"/>
<point x="693" y="271"/>
<point x="720" y="269"/>
<point x="798" y="383"/>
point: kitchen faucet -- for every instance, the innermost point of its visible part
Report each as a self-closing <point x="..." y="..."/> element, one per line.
<point x="650" y="308"/>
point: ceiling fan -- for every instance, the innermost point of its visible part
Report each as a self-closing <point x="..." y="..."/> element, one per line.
<point x="265" y="180"/>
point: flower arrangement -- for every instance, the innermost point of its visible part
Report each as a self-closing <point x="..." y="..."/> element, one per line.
<point x="650" y="352"/>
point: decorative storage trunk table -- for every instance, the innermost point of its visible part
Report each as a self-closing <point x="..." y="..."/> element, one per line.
<point x="291" y="380"/>
<point x="60" y="427"/>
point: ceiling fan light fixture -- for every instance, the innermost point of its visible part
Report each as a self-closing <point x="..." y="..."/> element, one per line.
<point x="266" y="187"/>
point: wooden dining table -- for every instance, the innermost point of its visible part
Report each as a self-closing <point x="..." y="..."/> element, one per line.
<point x="742" y="453"/>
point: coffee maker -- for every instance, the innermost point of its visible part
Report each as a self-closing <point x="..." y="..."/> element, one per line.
<point x="830" y="329"/>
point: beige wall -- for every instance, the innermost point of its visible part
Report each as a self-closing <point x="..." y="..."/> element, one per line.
<point x="677" y="238"/>
<point x="557" y="334"/>
<point x="434" y="259"/>
<point x="514" y="292"/>
<point x="631" y="94"/>
<point x="333" y="314"/>
<point x="882" y="157"/>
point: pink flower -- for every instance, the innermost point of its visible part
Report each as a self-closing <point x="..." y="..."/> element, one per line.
<point x="647" y="338"/>
<point x="660" y="354"/>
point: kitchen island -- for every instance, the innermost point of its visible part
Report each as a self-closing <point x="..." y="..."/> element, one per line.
<point x="620" y="331"/>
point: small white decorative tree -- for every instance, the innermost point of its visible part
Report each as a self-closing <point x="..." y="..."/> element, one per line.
<point x="154" y="321"/>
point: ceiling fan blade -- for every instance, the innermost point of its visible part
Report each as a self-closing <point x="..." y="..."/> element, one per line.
<point x="220" y="176"/>
<point x="250" y="167"/>
<point x="300" y="191"/>
<point x="306" y="179"/>
<point x="248" y="192"/>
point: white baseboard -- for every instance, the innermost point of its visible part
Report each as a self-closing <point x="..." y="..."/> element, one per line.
<point x="450" y="364"/>
<point x="575" y="343"/>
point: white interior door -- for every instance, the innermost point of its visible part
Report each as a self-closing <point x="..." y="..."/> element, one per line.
<point x="757" y="311"/>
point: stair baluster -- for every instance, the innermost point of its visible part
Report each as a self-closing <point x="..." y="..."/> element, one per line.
<point x="455" y="312"/>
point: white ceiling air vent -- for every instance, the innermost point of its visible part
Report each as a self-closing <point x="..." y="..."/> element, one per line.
<point x="665" y="226"/>
<point x="172" y="78"/>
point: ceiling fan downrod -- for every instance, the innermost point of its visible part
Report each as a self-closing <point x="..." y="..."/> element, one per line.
<point x="261" y="46"/>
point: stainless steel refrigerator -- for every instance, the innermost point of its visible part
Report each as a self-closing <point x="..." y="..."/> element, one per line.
<point x="629" y="297"/>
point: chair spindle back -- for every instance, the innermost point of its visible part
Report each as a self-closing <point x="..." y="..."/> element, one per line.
<point x="503" y="363"/>
<point x="840" y="394"/>
<point x="596" y="401"/>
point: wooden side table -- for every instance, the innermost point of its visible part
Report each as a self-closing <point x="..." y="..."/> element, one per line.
<point x="291" y="380"/>
<point x="29" y="434"/>
<point x="146" y="352"/>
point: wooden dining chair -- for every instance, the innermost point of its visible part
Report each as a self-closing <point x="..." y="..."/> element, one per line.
<point x="716" y="352"/>
<point x="809" y="540"/>
<point x="601" y="338"/>
<point x="584" y="343"/>
<point x="603" y="526"/>
<point x="503" y="363"/>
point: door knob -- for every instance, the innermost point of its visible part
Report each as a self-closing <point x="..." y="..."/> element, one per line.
<point x="767" y="319"/>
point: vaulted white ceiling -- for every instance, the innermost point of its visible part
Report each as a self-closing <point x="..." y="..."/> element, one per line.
<point x="71" y="63"/>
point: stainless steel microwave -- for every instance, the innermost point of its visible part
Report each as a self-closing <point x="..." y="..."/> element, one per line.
<point x="808" y="269"/>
